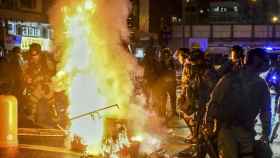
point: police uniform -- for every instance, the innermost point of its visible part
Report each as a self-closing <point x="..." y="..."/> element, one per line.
<point x="166" y="85"/>
<point x="229" y="67"/>
<point x="198" y="80"/>
<point x="235" y="102"/>
<point x="38" y="92"/>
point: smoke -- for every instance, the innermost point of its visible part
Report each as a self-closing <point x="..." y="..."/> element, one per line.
<point x="96" y="69"/>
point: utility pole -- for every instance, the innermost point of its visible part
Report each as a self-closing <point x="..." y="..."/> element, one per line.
<point x="183" y="22"/>
<point x="144" y="15"/>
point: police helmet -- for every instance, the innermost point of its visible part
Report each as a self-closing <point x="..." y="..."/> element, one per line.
<point x="165" y="52"/>
<point x="184" y="52"/>
<point x="195" y="45"/>
<point x="196" y="55"/>
<point x="261" y="54"/>
<point x="238" y="50"/>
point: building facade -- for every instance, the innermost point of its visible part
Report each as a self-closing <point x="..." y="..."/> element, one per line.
<point x="162" y="12"/>
<point x="229" y="11"/>
<point x="23" y="22"/>
<point x="222" y="23"/>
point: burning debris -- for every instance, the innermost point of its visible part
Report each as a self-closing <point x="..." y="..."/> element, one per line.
<point x="77" y="144"/>
<point x="117" y="143"/>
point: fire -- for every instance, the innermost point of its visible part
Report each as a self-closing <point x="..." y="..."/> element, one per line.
<point x="138" y="138"/>
<point x="117" y="145"/>
<point x="94" y="68"/>
<point x="83" y="89"/>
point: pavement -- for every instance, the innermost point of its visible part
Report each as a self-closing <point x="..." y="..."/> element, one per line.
<point x="178" y="132"/>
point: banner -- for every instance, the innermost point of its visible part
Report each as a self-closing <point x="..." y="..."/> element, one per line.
<point x="27" y="41"/>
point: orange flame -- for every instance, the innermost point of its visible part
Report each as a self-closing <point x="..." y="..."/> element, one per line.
<point x="94" y="69"/>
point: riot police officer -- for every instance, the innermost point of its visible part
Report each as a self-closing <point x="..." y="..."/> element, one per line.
<point x="235" y="63"/>
<point x="183" y="56"/>
<point x="167" y="81"/>
<point x="198" y="81"/>
<point x="236" y="101"/>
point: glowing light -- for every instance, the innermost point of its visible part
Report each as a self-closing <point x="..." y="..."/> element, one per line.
<point x="27" y="41"/>
<point x="274" y="19"/>
<point x="96" y="70"/>
<point x="274" y="77"/>
<point x="138" y="138"/>
<point x="92" y="72"/>
<point x="269" y="48"/>
<point x="89" y="5"/>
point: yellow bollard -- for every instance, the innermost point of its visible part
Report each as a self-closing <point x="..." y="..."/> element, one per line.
<point x="8" y="121"/>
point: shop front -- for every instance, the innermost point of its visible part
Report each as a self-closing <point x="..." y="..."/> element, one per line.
<point x="22" y="34"/>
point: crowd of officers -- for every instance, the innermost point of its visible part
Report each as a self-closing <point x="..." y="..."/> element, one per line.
<point x="28" y="77"/>
<point x="220" y="102"/>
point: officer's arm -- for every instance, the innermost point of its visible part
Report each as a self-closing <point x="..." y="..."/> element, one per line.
<point x="265" y="114"/>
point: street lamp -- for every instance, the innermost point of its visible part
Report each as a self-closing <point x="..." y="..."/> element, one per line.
<point x="254" y="1"/>
<point x="274" y="19"/>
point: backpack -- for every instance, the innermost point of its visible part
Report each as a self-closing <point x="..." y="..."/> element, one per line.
<point x="236" y="95"/>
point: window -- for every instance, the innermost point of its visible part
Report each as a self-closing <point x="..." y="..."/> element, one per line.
<point x="18" y="29"/>
<point x="24" y="31"/>
<point x="217" y="9"/>
<point x="7" y="4"/>
<point x="174" y="19"/>
<point x="235" y="8"/>
<point x="31" y="31"/>
<point x="223" y="9"/>
<point x="30" y="4"/>
<point x="44" y="33"/>
<point x="10" y="27"/>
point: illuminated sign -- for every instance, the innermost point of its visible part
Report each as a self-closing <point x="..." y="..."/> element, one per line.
<point x="30" y="31"/>
<point x="27" y="41"/>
